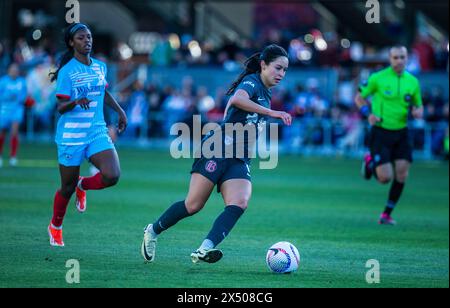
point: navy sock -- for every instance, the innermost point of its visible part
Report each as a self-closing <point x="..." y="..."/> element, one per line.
<point x="171" y="216"/>
<point x="224" y="223"/>
<point x="394" y="196"/>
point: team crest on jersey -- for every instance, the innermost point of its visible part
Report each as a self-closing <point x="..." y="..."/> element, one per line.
<point x="211" y="166"/>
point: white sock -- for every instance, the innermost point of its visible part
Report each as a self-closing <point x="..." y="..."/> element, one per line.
<point x="207" y="244"/>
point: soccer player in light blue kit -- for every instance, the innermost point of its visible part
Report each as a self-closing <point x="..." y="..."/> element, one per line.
<point x="13" y="93"/>
<point x="81" y="132"/>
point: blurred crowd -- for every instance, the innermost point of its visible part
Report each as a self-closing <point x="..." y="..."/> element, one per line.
<point x="152" y="109"/>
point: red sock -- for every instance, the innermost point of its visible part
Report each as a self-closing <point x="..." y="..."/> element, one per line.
<point x="59" y="209"/>
<point x="2" y="141"/>
<point x="93" y="183"/>
<point x="14" y="145"/>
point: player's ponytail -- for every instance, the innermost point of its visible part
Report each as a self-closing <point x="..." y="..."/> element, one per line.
<point x="253" y="64"/>
<point x="69" y="34"/>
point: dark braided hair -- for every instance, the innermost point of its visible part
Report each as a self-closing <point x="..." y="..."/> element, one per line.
<point x="253" y="64"/>
<point x="69" y="34"/>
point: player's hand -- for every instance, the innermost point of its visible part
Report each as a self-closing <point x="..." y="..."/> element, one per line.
<point x="284" y="116"/>
<point x="83" y="103"/>
<point x="373" y="119"/>
<point x="417" y="112"/>
<point x="123" y="122"/>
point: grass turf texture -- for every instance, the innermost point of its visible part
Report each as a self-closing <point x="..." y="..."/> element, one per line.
<point x="320" y="205"/>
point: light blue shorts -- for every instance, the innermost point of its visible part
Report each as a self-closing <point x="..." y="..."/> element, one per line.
<point x="74" y="155"/>
<point x="15" y="116"/>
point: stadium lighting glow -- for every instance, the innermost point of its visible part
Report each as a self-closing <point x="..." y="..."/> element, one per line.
<point x="400" y="4"/>
<point x="296" y="44"/>
<point x="37" y="34"/>
<point x="206" y="104"/>
<point x="304" y="55"/>
<point x="320" y="44"/>
<point x="345" y="43"/>
<point x="26" y="17"/>
<point x="309" y="38"/>
<point x="125" y="51"/>
<point x="174" y="41"/>
<point x="194" y="49"/>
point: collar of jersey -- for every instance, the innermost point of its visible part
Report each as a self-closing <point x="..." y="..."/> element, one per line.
<point x="391" y="70"/>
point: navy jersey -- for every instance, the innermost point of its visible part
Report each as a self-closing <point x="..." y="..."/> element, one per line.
<point x="240" y="129"/>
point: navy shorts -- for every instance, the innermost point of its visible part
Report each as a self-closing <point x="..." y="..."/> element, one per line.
<point x="387" y="146"/>
<point x="220" y="170"/>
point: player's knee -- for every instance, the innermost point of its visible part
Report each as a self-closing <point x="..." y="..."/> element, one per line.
<point x="110" y="178"/>
<point x="384" y="178"/>
<point x="67" y="190"/>
<point x="241" y="202"/>
<point x="194" y="206"/>
<point x="402" y="176"/>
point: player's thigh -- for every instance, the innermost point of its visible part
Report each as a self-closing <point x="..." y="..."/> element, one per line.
<point x="237" y="192"/>
<point x="402" y="167"/>
<point x="103" y="155"/>
<point x="200" y="189"/>
<point x="107" y="161"/>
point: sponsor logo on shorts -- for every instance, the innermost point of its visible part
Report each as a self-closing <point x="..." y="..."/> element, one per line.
<point x="211" y="166"/>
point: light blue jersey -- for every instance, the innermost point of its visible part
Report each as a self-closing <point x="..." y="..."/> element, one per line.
<point x="77" y="80"/>
<point x="13" y="93"/>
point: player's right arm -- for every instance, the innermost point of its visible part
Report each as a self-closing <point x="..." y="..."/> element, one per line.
<point x="63" y="94"/>
<point x="65" y="105"/>
<point x="361" y="99"/>
<point x="241" y="100"/>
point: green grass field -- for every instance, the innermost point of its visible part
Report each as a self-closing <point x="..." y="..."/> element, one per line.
<point x="320" y="205"/>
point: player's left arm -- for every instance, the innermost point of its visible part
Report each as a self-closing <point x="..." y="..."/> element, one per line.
<point x="417" y="110"/>
<point x="110" y="101"/>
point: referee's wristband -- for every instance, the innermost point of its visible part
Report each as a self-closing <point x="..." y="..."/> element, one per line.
<point x="365" y="111"/>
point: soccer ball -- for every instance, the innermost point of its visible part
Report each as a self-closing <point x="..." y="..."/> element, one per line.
<point x="283" y="257"/>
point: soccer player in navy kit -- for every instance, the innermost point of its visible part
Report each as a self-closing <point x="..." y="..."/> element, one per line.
<point x="249" y="105"/>
<point x="81" y="132"/>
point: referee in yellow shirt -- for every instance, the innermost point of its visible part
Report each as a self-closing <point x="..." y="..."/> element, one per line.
<point x="394" y="92"/>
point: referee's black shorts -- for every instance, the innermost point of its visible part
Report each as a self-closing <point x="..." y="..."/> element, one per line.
<point x="387" y="146"/>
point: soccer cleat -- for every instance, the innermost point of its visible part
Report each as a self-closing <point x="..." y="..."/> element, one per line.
<point x="206" y="255"/>
<point x="13" y="161"/>
<point x="56" y="238"/>
<point x="366" y="169"/>
<point x="386" y="219"/>
<point x="80" y="201"/>
<point x="148" y="247"/>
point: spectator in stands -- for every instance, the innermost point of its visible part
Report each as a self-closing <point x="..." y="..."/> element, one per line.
<point x="137" y="111"/>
